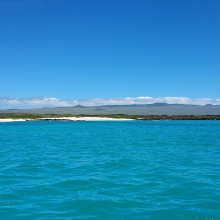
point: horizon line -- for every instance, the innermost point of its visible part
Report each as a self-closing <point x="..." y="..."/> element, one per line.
<point x="42" y="102"/>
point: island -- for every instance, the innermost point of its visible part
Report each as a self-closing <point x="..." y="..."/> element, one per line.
<point x="11" y="117"/>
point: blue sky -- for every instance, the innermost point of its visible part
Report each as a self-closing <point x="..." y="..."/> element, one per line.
<point x="82" y="49"/>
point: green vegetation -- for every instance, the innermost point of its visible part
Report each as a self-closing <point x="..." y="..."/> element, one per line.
<point x="26" y="116"/>
<point x="180" y="117"/>
<point x="68" y="115"/>
<point x="119" y="116"/>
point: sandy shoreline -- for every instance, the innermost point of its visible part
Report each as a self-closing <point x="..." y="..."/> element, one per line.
<point x="11" y="120"/>
<point x="68" y="119"/>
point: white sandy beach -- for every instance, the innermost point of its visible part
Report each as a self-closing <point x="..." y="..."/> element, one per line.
<point x="95" y="119"/>
<point x="70" y="119"/>
<point x="90" y="119"/>
<point x="11" y="120"/>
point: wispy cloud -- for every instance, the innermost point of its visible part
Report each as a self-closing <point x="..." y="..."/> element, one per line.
<point x="38" y="102"/>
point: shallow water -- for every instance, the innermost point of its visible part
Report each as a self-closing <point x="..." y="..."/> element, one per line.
<point x="110" y="170"/>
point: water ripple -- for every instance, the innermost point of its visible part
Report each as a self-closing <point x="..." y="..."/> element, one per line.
<point x="107" y="170"/>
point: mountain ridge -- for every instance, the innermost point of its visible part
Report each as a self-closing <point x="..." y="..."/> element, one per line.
<point x="136" y="109"/>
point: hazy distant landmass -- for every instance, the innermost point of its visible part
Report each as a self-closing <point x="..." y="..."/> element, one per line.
<point x="146" y="109"/>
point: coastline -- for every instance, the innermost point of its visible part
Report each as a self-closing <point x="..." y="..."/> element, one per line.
<point x="11" y="120"/>
<point x="69" y="119"/>
<point x="50" y="117"/>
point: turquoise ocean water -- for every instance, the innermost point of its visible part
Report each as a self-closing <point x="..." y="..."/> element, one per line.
<point x="110" y="170"/>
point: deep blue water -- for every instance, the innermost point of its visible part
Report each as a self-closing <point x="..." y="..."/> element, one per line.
<point x="110" y="170"/>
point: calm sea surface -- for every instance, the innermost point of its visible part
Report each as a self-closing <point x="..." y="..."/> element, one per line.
<point x="110" y="170"/>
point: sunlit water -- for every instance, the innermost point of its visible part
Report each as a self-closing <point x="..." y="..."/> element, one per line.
<point x="110" y="170"/>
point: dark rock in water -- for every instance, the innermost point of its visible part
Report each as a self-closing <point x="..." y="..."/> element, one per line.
<point x="48" y="119"/>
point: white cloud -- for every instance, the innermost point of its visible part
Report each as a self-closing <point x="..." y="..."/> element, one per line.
<point x="38" y="102"/>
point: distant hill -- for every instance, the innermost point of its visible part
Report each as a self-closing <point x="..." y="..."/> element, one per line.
<point x="147" y="109"/>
